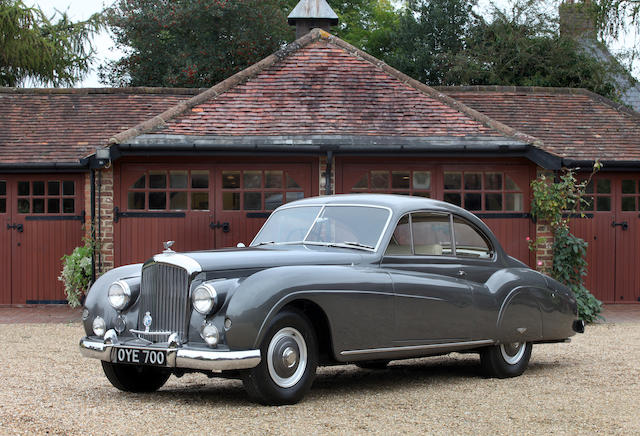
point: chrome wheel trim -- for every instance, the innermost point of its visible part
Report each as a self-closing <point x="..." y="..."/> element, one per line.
<point x="512" y="353"/>
<point x="288" y="347"/>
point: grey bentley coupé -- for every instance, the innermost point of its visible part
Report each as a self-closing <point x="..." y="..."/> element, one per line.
<point x="361" y="279"/>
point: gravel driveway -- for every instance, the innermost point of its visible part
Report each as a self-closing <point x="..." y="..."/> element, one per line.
<point x="590" y="385"/>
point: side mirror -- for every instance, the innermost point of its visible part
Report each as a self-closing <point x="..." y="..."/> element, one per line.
<point x="240" y="245"/>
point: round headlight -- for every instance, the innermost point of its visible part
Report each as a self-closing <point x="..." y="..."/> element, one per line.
<point x="210" y="334"/>
<point x="204" y="298"/>
<point x="119" y="294"/>
<point x="99" y="326"/>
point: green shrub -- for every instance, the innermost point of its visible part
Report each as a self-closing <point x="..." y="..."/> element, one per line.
<point x="76" y="273"/>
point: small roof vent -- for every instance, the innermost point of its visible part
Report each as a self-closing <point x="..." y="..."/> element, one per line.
<point x="309" y="14"/>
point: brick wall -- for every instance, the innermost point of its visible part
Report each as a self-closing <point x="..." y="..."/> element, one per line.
<point x="544" y="249"/>
<point x="105" y="256"/>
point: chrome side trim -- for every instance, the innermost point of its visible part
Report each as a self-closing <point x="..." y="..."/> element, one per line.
<point x="144" y="332"/>
<point x="419" y="347"/>
<point x="180" y="357"/>
<point x="180" y="260"/>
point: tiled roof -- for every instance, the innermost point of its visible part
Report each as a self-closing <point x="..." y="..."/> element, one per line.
<point x="321" y="85"/>
<point x="572" y="123"/>
<point x="47" y="126"/>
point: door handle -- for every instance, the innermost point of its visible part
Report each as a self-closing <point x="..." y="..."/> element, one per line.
<point x="17" y="227"/>
<point x="224" y="226"/>
<point x="622" y="224"/>
<point x="461" y="273"/>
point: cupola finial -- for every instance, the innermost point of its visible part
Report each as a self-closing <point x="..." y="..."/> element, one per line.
<point x="309" y="14"/>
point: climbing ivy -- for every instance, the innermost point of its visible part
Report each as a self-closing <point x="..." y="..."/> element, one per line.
<point x="556" y="202"/>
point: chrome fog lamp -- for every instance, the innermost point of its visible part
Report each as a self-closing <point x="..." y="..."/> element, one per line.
<point x="119" y="294"/>
<point x="210" y="334"/>
<point x="204" y="298"/>
<point x="99" y="326"/>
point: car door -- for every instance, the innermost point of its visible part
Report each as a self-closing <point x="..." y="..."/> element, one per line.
<point x="432" y="304"/>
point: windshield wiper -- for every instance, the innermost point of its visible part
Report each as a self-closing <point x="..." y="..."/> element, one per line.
<point x="350" y="244"/>
<point x="358" y="244"/>
<point x="264" y="243"/>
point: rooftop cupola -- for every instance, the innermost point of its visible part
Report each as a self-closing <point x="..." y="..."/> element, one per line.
<point x="309" y="14"/>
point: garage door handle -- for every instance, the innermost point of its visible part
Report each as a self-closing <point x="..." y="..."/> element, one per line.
<point x="622" y="224"/>
<point x="224" y="226"/>
<point x="17" y="227"/>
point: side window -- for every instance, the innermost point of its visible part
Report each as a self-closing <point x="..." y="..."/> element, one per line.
<point x="431" y="234"/>
<point x="400" y="244"/>
<point x="469" y="242"/>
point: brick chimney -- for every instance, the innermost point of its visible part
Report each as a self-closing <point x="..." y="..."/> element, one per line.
<point x="577" y="20"/>
<point x="309" y="14"/>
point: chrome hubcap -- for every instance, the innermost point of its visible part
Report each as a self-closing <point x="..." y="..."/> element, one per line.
<point x="512" y="353"/>
<point x="287" y="357"/>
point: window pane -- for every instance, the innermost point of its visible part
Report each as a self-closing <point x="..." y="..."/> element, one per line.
<point x="3" y="188"/>
<point x="422" y="180"/>
<point x="157" y="200"/>
<point x="273" y="179"/>
<point x="469" y="242"/>
<point x="231" y="179"/>
<point x="587" y="204"/>
<point x="603" y="203"/>
<point x="157" y="180"/>
<point x="628" y="187"/>
<point x="628" y="204"/>
<point x="3" y="205"/>
<point x="199" y="179"/>
<point x="53" y="188"/>
<point x="363" y="183"/>
<point x="493" y="201"/>
<point x="511" y="185"/>
<point x="473" y="181"/>
<point x="603" y="186"/>
<point x="53" y="205"/>
<point x="400" y="180"/>
<point x="252" y="179"/>
<point x="589" y="188"/>
<point x="179" y="180"/>
<point x="431" y="234"/>
<point x="231" y="200"/>
<point x="68" y="187"/>
<point x="473" y="201"/>
<point x="292" y="184"/>
<point x="272" y="201"/>
<point x="140" y="183"/>
<point x="23" y="205"/>
<point x="136" y="201"/>
<point x="199" y="201"/>
<point x="379" y="180"/>
<point x="38" y="205"/>
<point x="493" y="181"/>
<point x="252" y="200"/>
<point x="400" y="244"/>
<point x="178" y="200"/>
<point x="452" y="180"/>
<point x="513" y="202"/>
<point x="23" y="188"/>
<point x="293" y="196"/>
<point x="68" y="205"/>
<point x="453" y="198"/>
<point x="38" y="188"/>
<point x="422" y="194"/>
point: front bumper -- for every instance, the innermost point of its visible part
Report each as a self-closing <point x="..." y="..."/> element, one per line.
<point x="177" y="356"/>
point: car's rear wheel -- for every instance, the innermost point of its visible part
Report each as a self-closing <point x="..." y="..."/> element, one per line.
<point x="131" y="378"/>
<point x="506" y="360"/>
<point x="289" y="360"/>
<point x="373" y="364"/>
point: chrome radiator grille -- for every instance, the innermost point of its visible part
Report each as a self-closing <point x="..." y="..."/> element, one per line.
<point x="164" y="293"/>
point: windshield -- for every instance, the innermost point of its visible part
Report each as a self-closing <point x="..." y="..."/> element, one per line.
<point x="350" y="226"/>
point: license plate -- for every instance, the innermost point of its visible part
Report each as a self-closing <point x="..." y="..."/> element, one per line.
<point x="141" y="356"/>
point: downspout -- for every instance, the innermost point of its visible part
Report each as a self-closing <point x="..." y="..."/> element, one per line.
<point x="93" y="224"/>
<point x="327" y="173"/>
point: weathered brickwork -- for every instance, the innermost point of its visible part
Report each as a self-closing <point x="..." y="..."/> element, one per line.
<point x="544" y="250"/>
<point x="105" y="258"/>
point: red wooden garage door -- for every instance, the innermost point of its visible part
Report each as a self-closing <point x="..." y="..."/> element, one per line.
<point x="41" y="220"/>
<point x="497" y="194"/>
<point x="612" y="229"/>
<point x="200" y="206"/>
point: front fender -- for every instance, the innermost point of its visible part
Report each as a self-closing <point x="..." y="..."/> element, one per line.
<point x="97" y="303"/>
<point x="358" y="303"/>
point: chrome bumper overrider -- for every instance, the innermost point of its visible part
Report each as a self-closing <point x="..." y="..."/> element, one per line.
<point x="177" y="356"/>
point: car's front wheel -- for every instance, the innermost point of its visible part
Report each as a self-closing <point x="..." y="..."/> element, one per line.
<point x="506" y="360"/>
<point x="289" y="360"/>
<point x="130" y="378"/>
